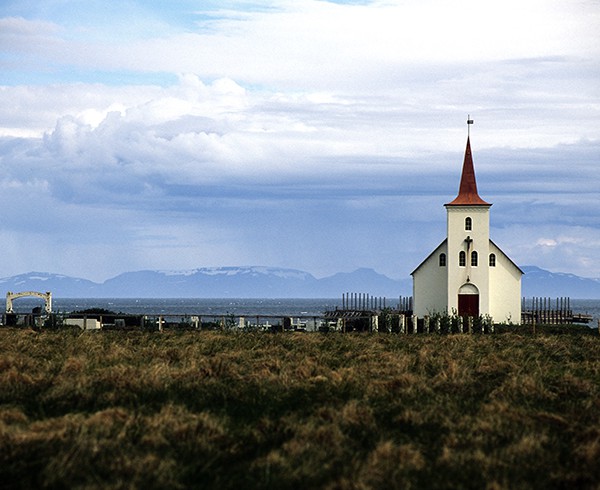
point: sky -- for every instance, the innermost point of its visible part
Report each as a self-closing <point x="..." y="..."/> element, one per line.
<point x="309" y="134"/>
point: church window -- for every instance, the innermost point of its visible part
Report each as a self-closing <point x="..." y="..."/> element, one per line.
<point x="474" y="258"/>
<point x="462" y="258"/>
<point x="468" y="224"/>
<point x="492" y="260"/>
<point x="442" y="260"/>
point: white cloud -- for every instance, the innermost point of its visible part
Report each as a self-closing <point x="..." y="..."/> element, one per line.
<point x="300" y="122"/>
<point x="17" y="33"/>
<point x="315" y="43"/>
<point x="315" y="40"/>
<point x="556" y="247"/>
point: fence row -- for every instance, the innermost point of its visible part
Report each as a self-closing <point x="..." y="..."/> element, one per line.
<point x="548" y="311"/>
<point x="337" y="321"/>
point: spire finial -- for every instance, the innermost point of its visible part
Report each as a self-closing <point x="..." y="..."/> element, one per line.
<point x="469" y="122"/>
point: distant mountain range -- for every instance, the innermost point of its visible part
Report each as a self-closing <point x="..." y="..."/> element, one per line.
<point x="540" y="282"/>
<point x="268" y="282"/>
<point x="213" y="282"/>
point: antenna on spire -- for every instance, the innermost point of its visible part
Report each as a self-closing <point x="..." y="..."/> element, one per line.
<point x="469" y="122"/>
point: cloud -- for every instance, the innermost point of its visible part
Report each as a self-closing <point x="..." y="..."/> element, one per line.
<point x="17" y="33"/>
<point x="547" y="242"/>
<point x="316" y="43"/>
<point x="317" y="135"/>
<point x="556" y="247"/>
<point x="164" y="140"/>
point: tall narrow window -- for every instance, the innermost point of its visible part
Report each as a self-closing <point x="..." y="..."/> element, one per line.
<point x="442" y="260"/>
<point x="492" y="260"/>
<point x="473" y="259"/>
<point x="462" y="258"/>
<point x="468" y="224"/>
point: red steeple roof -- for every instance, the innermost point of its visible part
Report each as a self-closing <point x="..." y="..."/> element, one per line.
<point x="467" y="192"/>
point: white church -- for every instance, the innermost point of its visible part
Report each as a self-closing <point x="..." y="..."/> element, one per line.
<point x="468" y="274"/>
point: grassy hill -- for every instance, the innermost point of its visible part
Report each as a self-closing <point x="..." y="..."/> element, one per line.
<point x="283" y="411"/>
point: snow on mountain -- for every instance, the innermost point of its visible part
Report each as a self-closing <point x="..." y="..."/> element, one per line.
<point x="241" y="270"/>
<point x="58" y="284"/>
<point x="179" y="273"/>
<point x="210" y="282"/>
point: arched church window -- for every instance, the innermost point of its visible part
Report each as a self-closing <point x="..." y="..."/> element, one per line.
<point x="442" y="260"/>
<point x="468" y="224"/>
<point x="474" y="258"/>
<point x="492" y="260"/>
<point x="462" y="258"/>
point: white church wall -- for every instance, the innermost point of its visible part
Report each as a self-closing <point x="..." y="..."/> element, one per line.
<point x="505" y="288"/>
<point x="429" y="285"/>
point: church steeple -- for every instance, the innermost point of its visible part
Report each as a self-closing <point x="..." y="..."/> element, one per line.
<point x="467" y="192"/>
<point x="467" y="274"/>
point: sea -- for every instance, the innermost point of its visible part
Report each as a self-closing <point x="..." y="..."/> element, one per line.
<point x="188" y="306"/>
<point x="292" y="307"/>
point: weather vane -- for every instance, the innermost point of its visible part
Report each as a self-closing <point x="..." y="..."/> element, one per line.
<point x="469" y="122"/>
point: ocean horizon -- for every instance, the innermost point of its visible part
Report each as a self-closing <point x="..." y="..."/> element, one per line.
<point x="190" y="306"/>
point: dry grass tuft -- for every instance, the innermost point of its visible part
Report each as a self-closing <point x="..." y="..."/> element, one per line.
<point x="224" y="410"/>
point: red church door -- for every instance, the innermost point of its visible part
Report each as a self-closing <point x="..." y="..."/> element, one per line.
<point x="468" y="305"/>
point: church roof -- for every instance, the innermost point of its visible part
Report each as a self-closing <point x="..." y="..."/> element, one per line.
<point x="467" y="192"/>
<point x="435" y="250"/>
<point x="509" y="259"/>
<point x="492" y="246"/>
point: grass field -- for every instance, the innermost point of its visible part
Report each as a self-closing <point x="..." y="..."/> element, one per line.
<point x="286" y="411"/>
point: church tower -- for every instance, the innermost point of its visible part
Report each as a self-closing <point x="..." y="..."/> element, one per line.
<point x="467" y="274"/>
<point x="468" y="232"/>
